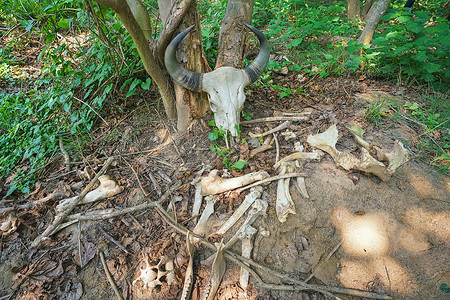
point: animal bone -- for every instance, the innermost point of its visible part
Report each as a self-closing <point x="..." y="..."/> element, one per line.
<point x="315" y="154"/>
<point x="189" y="276"/>
<point x="254" y="194"/>
<point x="247" y="245"/>
<point x="207" y="212"/>
<point x="225" y="85"/>
<point x="284" y="204"/>
<point x="198" y="190"/>
<point x="213" y="184"/>
<point x="259" y="207"/>
<point x="218" y="269"/>
<point x="326" y="141"/>
<point x="106" y="189"/>
<point x="151" y="275"/>
<point x="171" y="278"/>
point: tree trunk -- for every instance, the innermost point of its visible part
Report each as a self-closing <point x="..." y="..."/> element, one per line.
<point x="189" y="104"/>
<point x="378" y="9"/>
<point x="130" y="13"/>
<point x="366" y="8"/>
<point x="354" y="9"/>
<point x="233" y="34"/>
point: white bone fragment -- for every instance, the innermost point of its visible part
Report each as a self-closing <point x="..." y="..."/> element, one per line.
<point x="247" y="245"/>
<point x="213" y="184"/>
<point x="284" y="204"/>
<point x="207" y="212"/>
<point x="106" y="189"/>
<point x="218" y="269"/>
<point x="358" y="134"/>
<point x="189" y="276"/>
<point x="278" y="128"/>
<point x="198" y="190"/>
<point x="371" y="165"/>
<point x="397" y="157"/>
<point x="288" y="135"/>
<point x="315" y="154"/>
<point x="150" y="275"/>
<point x="197" y="198"/>
<point x="302" y="187"/>
<point x="327" y="142"/>
<point x="254" y="194"/>
<point x="171" y="278"/>
<point x="259" y="208"/>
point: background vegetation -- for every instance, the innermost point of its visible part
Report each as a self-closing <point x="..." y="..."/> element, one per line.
<point x="87" y="60"/>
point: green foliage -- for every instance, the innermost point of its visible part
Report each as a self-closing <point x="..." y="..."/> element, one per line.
<point x="229" y="156"/>
<point x="434" y="115"/>
<point x="414" y="45"/>
<point x="377" y="110"/>
<point x="78" y="75"/>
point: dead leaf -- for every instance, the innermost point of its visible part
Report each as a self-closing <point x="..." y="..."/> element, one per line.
<point x="88" y="251"/>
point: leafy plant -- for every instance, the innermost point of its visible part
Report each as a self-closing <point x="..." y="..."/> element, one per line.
<point x="414" y="45"/>
<point x="229" y="156"/>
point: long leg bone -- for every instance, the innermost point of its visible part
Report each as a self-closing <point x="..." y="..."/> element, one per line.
<point x="255" y="193"/>
<point x="213" y="184"/>
<point x="247" y="244"/>
<point x="207" y="212"/>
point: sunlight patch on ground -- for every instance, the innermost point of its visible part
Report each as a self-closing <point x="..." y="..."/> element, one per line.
<point x="436" y="224"/>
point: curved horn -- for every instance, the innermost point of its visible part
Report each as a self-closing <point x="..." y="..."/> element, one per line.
<point x="185" y="78"/>
<point x="257" y="66"/>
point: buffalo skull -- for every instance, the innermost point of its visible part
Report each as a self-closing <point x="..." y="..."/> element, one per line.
<point x="225" y="85"/>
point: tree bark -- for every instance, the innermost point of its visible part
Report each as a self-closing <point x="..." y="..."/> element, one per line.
<point x="233" y="34"/>
<point x="136" y="30"/>
<point x="190" y="105"/>
<point x="366" y="8"/>
<point x="353" y="9"/>
<point x="378" y="9"/>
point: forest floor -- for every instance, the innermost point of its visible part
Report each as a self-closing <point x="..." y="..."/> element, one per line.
<point x="354" y="231"/>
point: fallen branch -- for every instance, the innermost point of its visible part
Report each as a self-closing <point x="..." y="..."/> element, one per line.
<point x="108" y="275"/>
<point x="60" y="217"/>
<point x="273" y="130"/>
<point x="274" y="119"/>
<point x="103" y="214"/>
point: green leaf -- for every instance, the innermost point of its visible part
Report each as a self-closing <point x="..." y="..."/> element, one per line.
<point x="63" y="23"/>
<point x="146" y="85"/>
<point x="431" y="67"/>
<point x="240" y="164"/>
<point x="212" y="136"/>
<point x="108" y="88"/>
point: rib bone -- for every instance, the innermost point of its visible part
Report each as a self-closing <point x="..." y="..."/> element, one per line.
<point x="255" y="193"/>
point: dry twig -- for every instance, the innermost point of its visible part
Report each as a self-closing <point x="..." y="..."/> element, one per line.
<point x="108" y="275"/>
